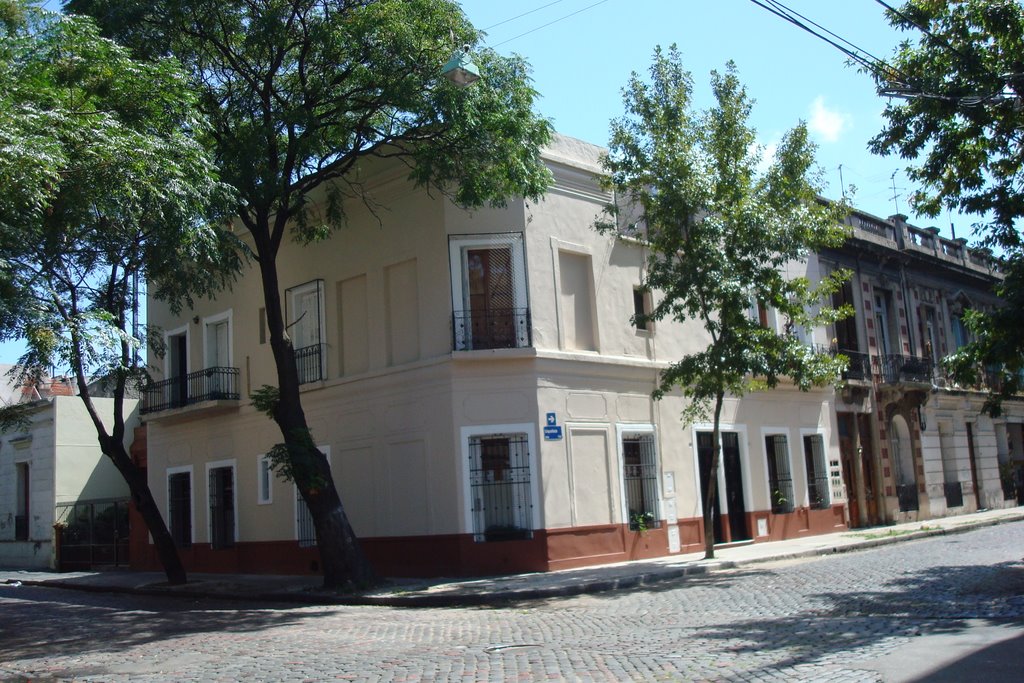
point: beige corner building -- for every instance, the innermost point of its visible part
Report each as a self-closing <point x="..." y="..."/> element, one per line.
<point x="482" y="396"/>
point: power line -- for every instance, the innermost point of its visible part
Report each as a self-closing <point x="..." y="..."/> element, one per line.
<point x="854" y="52"/>
<point x="923" y="29"/>
<point x="969" y="101"/>
<point x="520" y="16"/>
<point x="532" y="30"/>
<point x="896" y="84"/>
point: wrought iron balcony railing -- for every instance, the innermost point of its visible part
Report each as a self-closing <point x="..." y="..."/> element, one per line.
<point x="309" y="363"/>
<point x="901" y="369"/>
<point x="859" y="367"/>
<point x="210" y="384"/>
<point x="497" y="328"/>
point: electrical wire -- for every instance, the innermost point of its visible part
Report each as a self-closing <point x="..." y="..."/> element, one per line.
<point x="520" y="16"/>
<point x="879" y="68"/>
<point x="923" y="29"/>
<point x="533" y="30"/>
<point x="855" y="53"/>
<point x="942" y="42"/>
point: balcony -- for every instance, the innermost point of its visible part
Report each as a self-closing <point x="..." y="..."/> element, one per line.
<point x="905" y="369"/>
<point x="859" y="367"/>
<point x="309" y="363"/>
<point x="211" y="384"/>
<point x="497" y="328"/>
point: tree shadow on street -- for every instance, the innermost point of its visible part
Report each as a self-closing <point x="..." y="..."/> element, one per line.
<point x="939" y="600"/>
<point x="609" y="591"/>
<point x="47" y="622"/>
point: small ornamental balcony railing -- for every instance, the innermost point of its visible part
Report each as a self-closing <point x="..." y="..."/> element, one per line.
<point x="309" y="363"/>
<point x="211" y="384"/>
<point x="906" y="369"/>
<point x="859" y="367"/>
<point x="954" y="494"/>
<point x="907" y="496"/>
<point x="497" y="328"/>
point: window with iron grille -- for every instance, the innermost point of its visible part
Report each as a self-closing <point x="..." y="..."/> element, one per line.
<point x="817" y="474"/>
<point x="780" y="477"/>
<point x="22" y="515"/>
<point x="222" y="507"/>
<point x="640" y="480"/>
<point x="179" y="507"/>
<point x="499" y="475"/>
<point x="305" y="529"/>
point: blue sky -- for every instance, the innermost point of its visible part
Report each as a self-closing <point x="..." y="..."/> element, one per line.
<point x="582" y="60"/>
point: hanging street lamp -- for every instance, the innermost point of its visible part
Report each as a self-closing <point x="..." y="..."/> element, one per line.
<point x="460" y="69"/>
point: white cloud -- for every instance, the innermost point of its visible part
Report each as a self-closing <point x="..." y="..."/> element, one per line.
<point x="827" y="123"/>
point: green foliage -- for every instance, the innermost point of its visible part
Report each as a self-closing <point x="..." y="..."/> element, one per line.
<point x="641" y="521"/>
<point x="961" y="123"/>
<point x="995" y="351"/>
<point x="298" y="91"/>
<point x="296" y="460"/>
<point x="105" y="181"/>
<point x="15" y="417"/>
<point x="720" y="232"/>
<point x="266" y="399"/>
<point x="961" y="119"/>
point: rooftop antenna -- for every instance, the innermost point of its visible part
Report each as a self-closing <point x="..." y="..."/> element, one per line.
<point x="842" y="185"/>
<point x="895" y="196"/>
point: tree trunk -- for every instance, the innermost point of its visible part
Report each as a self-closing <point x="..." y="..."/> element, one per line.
<point x="112" y="446"/>
<point x="138" y="486"/>
<point x="344" y="564"/>
<point x="709" y="495"/>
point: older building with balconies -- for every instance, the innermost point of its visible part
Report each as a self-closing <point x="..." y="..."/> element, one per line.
<point x="913" y="445"/>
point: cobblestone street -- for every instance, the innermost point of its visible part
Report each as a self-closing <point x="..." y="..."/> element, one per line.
<point x="951" y="607"/>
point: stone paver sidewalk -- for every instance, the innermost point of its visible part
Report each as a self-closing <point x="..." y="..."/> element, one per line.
<point x="492" y="590"/>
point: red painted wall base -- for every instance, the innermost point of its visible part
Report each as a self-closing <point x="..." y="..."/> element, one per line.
<point x="460" y="555"/>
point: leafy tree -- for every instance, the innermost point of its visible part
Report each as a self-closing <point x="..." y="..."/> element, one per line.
<point x="959" y="115"/>
<point x="104" y="181"/>
<point x="719" y="234"/>
<point x="299" y="91"/>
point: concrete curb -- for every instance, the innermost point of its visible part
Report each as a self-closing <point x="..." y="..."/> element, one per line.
<point x="506" y="596"/>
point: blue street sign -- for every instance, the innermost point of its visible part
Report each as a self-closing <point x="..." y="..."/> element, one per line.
<point x="552" y="433"/>
<point x="551" y="420"/>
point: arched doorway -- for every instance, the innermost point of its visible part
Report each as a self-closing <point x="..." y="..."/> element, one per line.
<point x="902" y="451"/>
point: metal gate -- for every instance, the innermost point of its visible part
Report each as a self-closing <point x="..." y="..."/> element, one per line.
<point x="95" y="533"/>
